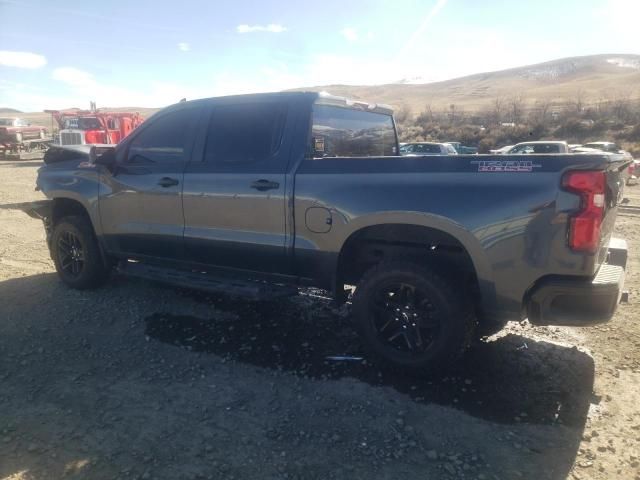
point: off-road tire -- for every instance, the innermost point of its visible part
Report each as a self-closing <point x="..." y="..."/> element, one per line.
<point x="94" y="272"/>
<point x="454" y="311"/>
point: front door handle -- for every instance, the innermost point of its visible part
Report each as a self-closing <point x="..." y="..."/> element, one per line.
<point x="168" y="182"/>
<point x="264" y="185"/>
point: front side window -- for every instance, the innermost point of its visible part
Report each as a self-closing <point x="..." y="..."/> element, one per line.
<point x="451" y="150"/>
<point x="164" y="140"/>
<point x="522" y="149"/>
<point x="343" y="132"/>
<point x="243" y="134"/>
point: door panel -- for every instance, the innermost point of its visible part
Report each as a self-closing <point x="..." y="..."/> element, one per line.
<point x="141" y="201"/>
<point x="234" y="199"/>
<point x="139" y="216"/>
<point x="228" y="223"/>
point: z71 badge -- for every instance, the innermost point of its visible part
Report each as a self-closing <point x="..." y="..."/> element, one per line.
<point x="506" y="165"/>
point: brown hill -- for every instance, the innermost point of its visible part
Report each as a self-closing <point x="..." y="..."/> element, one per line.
<point x="589" y="79"/>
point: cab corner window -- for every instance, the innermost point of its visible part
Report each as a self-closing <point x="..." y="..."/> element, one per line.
<point x="344" y="132"/>
<point x="164" y="140"/>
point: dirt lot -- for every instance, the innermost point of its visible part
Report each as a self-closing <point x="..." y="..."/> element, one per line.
<point x="137" y="380"/>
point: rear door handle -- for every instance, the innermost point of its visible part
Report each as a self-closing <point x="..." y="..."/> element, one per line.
<point x="168" y="182"/>
<point x="264" y="185"/>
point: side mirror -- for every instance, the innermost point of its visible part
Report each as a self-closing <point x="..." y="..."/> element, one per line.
<point x="92" y="154"/>
<point x="107" y="159"/>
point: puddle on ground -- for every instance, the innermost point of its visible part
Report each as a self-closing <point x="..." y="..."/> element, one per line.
<point x="498" y="380"/>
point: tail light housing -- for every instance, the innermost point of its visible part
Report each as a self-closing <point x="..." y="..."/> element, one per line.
<point x="585" y="225"/>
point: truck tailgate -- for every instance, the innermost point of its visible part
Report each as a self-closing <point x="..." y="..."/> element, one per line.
<point x="615" y="178"/>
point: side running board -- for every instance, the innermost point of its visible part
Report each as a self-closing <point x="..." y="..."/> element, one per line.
<point x="210" y="282"/>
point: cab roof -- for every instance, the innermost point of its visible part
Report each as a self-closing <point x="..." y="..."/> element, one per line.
<point x="319" y="98"/>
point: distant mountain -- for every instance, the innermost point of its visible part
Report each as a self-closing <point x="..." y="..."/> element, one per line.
<point x="592" y="78"/>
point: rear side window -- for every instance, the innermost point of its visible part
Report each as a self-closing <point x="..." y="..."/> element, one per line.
<point x="546" y="148"/>
<point x="244" y="134"/>
<point x="343" y="132"/>
<point x="426" y="148"/>
<point x="165" y="139"/>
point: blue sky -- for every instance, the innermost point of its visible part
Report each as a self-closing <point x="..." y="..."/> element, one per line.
<point x="56" y="54"/>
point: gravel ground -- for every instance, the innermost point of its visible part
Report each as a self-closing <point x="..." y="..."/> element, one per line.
<point x="141" y="381"/>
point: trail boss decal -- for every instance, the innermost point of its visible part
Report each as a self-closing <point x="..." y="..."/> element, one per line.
<point x="505" y="165"/>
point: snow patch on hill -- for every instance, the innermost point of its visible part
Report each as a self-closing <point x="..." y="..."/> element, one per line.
<point x="625" y="62"/>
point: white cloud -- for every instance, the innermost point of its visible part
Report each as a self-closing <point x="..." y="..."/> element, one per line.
<point x="272" y="28"/>
<point x="73" y="77"/>
<point x="351" y="34"/>
<point x="21" y="59"/>
<point x="184" y="47"/>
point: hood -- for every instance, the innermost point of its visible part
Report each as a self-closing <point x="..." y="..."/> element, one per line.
<point x="79" y="153"/>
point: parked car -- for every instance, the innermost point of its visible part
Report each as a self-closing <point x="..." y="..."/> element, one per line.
<point x="20" y="140"/>
<point x="613" y="149"/>
<point x="539" y="147"/>
<point x="604" y="146"/>
<point x="462" y="149"/>
<point x="501" y="150"/>
<point x="277" y="191"/>
<point x="609" y="147"/>
<point x="17" y="130"/>
<point x="427" y="148"/>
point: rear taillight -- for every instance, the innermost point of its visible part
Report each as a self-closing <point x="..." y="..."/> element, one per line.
<point x="584" y="226"/>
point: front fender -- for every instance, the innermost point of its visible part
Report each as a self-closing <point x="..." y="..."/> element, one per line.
<point x="80" y="185"/>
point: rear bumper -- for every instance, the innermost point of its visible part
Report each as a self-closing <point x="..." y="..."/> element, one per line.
<point x="576" y="302"/>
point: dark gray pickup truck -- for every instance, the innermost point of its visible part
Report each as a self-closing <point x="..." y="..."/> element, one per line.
<point x="261" y="194"/>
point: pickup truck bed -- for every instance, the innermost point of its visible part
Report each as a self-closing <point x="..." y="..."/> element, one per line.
<point x="439" y="248"/>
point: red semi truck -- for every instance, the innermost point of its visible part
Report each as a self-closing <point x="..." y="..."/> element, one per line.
<point x="79" y="127"/>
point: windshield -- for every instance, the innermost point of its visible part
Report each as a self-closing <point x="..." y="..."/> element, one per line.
<point x="82" y="123"/>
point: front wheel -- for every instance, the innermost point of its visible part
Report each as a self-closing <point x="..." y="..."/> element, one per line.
<point x="413" y="317"/>
<point x="76" y="253"/>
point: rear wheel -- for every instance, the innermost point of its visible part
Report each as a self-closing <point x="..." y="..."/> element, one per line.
<point x="76" y="254"/>
<point x="413" y="317"/>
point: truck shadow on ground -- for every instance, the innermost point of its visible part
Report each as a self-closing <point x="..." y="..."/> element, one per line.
<point x="78" y="379"/>
<point x="508" y="380"/>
